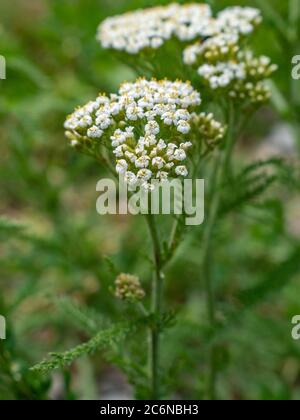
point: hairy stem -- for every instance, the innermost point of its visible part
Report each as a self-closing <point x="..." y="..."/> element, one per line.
<point x="157" y="289"/>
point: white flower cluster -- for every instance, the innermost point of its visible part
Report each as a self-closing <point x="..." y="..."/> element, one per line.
<point x="150" y="28"/>
<point x="224" y="65"/>
<point x="243" y="77"/>
<point x="253" y="86"/>
<point x="222" y="74"/>
<point x="240" y="20"/>
<point x="145" y="125"/>
<point x="210" y="130"/>
<point x="218" y="48"/>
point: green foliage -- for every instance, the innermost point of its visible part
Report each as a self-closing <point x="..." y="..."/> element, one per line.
<point x="103" y="339"/>
<point x="85" y="318"/>
<point x="58" y="258"/>
<point x="252" y="182"/>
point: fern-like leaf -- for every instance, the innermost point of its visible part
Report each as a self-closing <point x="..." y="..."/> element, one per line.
<point x="104" y="339"/>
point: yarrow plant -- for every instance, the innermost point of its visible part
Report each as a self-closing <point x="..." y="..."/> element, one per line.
<point x="159" y="127"/>
<point x="149" y="130"/>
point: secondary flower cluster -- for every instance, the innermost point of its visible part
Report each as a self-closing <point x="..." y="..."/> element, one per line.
<point x="136" y="31"/>
<point x="150" y="28"/>
<point x="148" y="126"/>
<point x="208" y="129"/>
<point x="218" y="48"/>
<point x="223" y="65"/>
<point x="239" y="20"/>
<point x="128" y="287"/>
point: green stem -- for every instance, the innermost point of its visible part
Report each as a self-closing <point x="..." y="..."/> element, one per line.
<point x="157" y="289"/>
<point x="294" y="17"/>
<point x="176" y="230"/>
<point x="219" y="173"/>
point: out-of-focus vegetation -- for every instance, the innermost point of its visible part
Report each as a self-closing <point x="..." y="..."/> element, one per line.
<point x="58" y="258"/>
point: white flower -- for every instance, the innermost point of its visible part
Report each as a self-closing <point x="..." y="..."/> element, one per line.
<point x="161" y="145"/>
<point x="134" y="113"/>
<point x="168" y="118"/>
<point x="130" y="156"/>
<point x="152" y="128"/>
<point x="158" y="162"/>
<point x="182" y="114"/>
<point x="150" y="140"/>
<point x="119" y="152"/>
<point x="71" y="123"/>
<point x="187" y="145"/>
<point x="190" y="54"/>
<point x="147" y="186"/>
<point x="144" y="174"/>
<point x="121" y="166"/>
<point x="118" y="138"/>
<point x="129" y="132"/>
<point x="162" y="175"/>
<point x="114" y="108"/>
<point x="172" y="146"/>
<point x="142" y="162"/>
<point x="102" y="100"/>
<point x="181" y="171"/>
<point x="85" y="121"/>
<point x="130" y="178"/>
<point x="179" y="155"/>
<point x="94" y="132"/>
<point x="183" y="127"/>
<point x="156" y="42"/>
<point x="103" y="121"/>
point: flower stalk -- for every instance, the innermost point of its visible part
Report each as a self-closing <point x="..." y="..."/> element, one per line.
<point x="156" y="308"/>
<point x="219" y="172"/>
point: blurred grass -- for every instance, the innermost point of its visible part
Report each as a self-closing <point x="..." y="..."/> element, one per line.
<point x="53" y="243"/>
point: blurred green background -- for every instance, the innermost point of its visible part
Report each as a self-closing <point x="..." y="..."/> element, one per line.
<point x="52" y="242"/>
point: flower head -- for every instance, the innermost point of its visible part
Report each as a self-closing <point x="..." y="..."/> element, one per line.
<point x="221" y="47"/>
<point x="149" y="127"/>
<point x="243" y="78"/>
<point x="150" y="28"/>
<point x="225" y="66"/>
<point x="240" y="20"/>
<point x="210" y="130"/>
<point x="146" y="126"/>
<point x="128" y="287"/>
